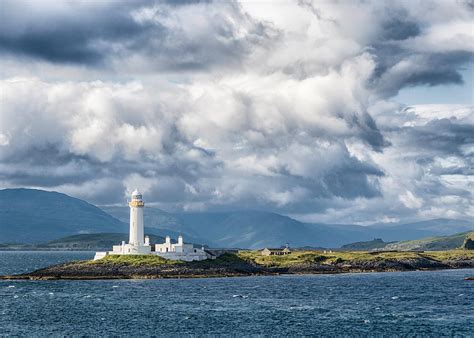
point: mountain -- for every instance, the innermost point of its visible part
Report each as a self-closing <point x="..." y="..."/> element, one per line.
<point x="33" y="216"/>
<point x="247" y="229"/>
<point x="243" y="229"/>
<point x="257" y="229"/>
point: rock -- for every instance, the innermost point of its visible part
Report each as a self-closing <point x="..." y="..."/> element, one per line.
<point x="468" y="244"/>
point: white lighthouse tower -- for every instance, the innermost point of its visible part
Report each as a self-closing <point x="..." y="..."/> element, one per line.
<point x="137" y="243"/>
<point x="136" y="220"/>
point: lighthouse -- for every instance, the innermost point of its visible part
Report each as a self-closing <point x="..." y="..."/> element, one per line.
<point x="138" y="244"/>
<point x="136" y="219"/>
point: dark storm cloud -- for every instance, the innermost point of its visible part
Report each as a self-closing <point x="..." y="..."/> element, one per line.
<point x="444" y="136"/>
<point x="369" y="131"/>
<point x="429" y="69"/>
<point x="72" y="36"/>
<point x="97" y="34"/>
<point x="351" y="181"/>
<point x="398" y="28"/>
<point x="393" y="46"/>
<point x="440" y="68"/>
<point x="49" y="166"/>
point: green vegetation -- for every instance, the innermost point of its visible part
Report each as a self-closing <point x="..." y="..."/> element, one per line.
<point x="296" y="258"/>
<point x="134" y="260"/>
<point x="307" y="257"/>
<point x="457" y="254"/>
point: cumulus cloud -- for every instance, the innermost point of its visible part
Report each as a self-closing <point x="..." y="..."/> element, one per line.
<point x="227" y="105"/>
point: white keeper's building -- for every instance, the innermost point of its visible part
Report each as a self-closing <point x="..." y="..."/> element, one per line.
<point x="139" y="244"/>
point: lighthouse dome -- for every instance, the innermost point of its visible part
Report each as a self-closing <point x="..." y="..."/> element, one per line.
<point x="136" y="195"/>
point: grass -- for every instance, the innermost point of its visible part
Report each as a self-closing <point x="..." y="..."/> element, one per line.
<point x="450" y="254"/>
<point x="305" y="257"/>
<point x="134" y="260"/>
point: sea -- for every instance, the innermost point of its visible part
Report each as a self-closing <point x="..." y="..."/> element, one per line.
<point x="429" y="303"/>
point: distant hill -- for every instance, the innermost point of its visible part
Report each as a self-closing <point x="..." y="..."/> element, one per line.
<point x="440" y="243"/>
<point x="90" y="242"/>
<point x="376" y="243"/>
<point x="432" y="243"/>
<point x="100" y="241"/>
<point x="34" y="216"/>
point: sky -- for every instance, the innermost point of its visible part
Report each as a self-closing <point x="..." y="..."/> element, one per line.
<point x="327" y="111"/>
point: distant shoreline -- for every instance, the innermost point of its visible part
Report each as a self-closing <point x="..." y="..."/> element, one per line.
<point x="252" y="263"/>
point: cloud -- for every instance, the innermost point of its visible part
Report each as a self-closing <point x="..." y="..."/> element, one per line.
<point x="139" y="35"/>
<point x="232" y="105"/>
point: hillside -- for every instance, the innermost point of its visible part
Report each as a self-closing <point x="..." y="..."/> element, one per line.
<point x="438" y="243"/>
<point x="35" y="216"/>
<point x="432" y="243"/>
<point x="100" y="241"/>
<point x="376" y="243"/>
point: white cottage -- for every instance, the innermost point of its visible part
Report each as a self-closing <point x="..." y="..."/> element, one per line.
<point x="181" y="251"/>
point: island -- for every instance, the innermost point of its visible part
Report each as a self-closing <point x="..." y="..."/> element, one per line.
<point x="249" y="263"/>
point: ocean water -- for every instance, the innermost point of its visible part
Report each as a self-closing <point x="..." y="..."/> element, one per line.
<point x="431" y="303"/>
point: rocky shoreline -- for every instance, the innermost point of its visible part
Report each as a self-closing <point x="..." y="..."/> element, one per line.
<point x="230" y="266"/>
